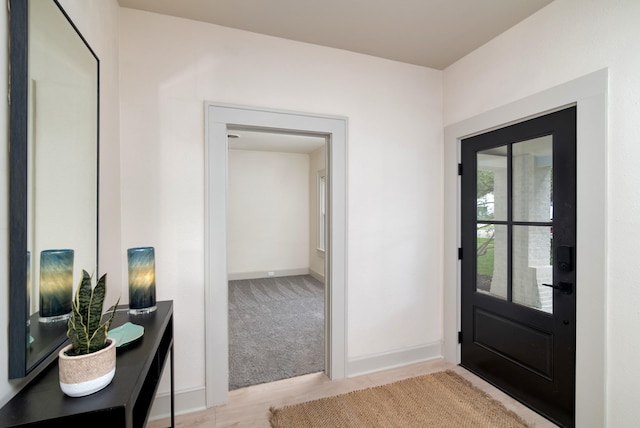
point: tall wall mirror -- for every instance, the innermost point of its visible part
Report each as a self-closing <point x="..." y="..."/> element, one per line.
<point x="53" y="177"/>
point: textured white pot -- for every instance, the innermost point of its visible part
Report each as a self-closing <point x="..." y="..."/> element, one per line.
<point x="82" y="375"/>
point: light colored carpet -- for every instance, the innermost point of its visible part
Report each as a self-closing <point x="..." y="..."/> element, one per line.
<point x="276" y="329"/>
<point x="442" y="399"/>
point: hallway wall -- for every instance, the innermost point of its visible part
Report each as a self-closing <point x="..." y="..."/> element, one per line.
<point x="268" y="212"/>
<point x="170" y="66"/>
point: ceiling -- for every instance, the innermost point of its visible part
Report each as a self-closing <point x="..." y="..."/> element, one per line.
<point x="430" y="33"/>
<point x="272" y="141"/>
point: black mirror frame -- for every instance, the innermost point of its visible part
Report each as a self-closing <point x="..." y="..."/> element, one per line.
<point x="18" y="113"/>
<point x="18" y="187"/>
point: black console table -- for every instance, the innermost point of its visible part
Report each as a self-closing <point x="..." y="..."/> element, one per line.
<point x="124" y="403"/>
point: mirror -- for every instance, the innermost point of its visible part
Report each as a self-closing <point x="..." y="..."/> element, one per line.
<point x="53" y="177"/>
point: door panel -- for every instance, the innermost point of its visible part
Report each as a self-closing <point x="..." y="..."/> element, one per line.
<point x="514" y="341"/>
<point x="518" y="289"/>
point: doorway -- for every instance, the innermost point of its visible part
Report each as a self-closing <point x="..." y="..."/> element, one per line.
<point x="218" y="119"/>
<point x="518" y="218"/>
<point x="276" y="266"/>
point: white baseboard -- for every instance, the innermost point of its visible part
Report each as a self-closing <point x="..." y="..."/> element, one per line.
<point x="265" y="274"/>
<point x="186" y="401"/>
<point x="388" y="360"/>
<point x="316" y="275"/>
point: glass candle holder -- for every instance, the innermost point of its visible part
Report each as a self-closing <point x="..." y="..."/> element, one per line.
<point x="142" y="280"/>
<point x="56" y="285"/>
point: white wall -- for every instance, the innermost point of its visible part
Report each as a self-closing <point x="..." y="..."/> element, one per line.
<point x="170" y="66"/>
<point x="98" y="22"/>
<point x="563" y="41"/>
<point x="268" y="212"/>
<point x="316" y="258"/>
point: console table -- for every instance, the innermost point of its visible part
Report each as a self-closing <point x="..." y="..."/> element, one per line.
<point x="123" y="403"/>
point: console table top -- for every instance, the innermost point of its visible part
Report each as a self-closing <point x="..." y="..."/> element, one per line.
<point x="42" y="399"/>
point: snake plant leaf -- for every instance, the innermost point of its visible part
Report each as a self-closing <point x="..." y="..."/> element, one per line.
<point x="83" y="297"/>
<point x="77" y="332"/>
<point x="85" y="331"/>
<point x="98" y="340"/>
<point x="95" y="305"/>
<point x="107" y="323"/>
<point x="99" y="337"/>
<point x="78" y="338"/>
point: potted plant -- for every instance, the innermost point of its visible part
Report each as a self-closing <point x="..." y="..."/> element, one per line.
<point x="88" y="364"/>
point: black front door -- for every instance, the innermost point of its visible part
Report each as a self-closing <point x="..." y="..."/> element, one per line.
<point x="519" y="256"/>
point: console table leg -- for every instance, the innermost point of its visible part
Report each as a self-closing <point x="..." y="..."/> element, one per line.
<point x="172" y="392"/>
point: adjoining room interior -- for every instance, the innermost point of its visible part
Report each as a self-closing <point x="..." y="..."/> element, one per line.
<point x="410" y="82"/>
<point x="276" y="255"/>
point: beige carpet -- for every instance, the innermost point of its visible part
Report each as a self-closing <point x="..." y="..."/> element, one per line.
<point x="442" y="399"/>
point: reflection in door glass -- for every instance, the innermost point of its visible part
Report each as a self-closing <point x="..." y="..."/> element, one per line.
<point x="491" y="189"/>
<point x="491" y="262"/>
<point x="532" y="267"/>
<point x="532" y="163"/>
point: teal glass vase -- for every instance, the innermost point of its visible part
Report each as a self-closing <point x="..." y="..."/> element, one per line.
<point x="142" y="280"/>
<point x="56" y="285"/>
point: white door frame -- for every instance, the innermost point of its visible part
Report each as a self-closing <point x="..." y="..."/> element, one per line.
<point x="589" y="94"/>
<point x="217" y="118"/>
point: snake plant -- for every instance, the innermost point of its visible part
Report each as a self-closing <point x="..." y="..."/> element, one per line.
<point x="86" y="331"/>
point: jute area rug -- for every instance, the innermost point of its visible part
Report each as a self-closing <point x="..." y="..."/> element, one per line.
<point x="442" y="399"/>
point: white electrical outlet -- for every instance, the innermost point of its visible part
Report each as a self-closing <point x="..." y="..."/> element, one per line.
<point x="271" y="273"/>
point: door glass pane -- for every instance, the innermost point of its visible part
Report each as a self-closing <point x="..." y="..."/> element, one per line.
<point x="532" y="266"/>
<point x="491" y="260"/>
<point x="491" y="187"/>
<point x="532" y="183"/>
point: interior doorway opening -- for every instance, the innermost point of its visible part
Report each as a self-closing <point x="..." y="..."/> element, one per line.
<point x="276" y="256"/>
<point x="219" y="119"/>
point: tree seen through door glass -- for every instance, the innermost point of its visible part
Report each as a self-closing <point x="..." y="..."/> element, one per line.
<point x="491" y="263"/>
<point x="491" y="190"/>
<point x="491" y="206"/>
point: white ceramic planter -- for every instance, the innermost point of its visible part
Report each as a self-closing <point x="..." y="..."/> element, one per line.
<point x="82" y="375"/>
